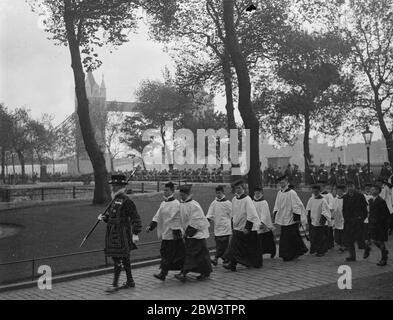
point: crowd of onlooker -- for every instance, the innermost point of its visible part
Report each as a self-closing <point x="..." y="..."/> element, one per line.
<point x="185" y="175"/>
<point x="334" y="174"/>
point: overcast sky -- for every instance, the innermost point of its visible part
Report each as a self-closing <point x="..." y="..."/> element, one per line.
<point x="37" y="74"/>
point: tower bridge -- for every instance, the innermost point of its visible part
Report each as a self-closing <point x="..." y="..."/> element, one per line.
<point x="99" y="107"/>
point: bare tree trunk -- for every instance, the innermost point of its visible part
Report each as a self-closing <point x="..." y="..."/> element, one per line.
<point x="21" y="158"/>
<point x="78" y="167"/>
<point x="143" y="163"/>
<point x="101" y="190"/>
<point x="3" y="165"/>
<point x="249" y="118"/>
<point x="388" y="136"/>
<point x="226" y="67"/>
<point x="389" y="147"/>
<point x="13" y="162"/>
<point x="112" y="164"/>
<point x="166" y="153"/>
<point x="32" y="164"/>
<point x="306" y="149"/>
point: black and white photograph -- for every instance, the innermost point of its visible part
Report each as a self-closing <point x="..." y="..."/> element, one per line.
<point x="196" y="155"/>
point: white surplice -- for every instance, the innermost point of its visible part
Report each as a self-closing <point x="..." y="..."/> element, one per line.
<point x="168" y="219"/>
<point x="220" y="212"/>
<point x="191" y="214"/>
<point x="243" y="210"/>
<point x="287" y="203"/>
<point x="318" y="207"/>
<point x="338" y="218"/>
<point x="263" y="211"/>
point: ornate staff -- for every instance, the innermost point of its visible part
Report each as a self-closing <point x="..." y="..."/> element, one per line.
<point x="106" y="209"/>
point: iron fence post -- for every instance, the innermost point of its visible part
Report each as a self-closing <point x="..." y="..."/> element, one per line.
<point x="32" y="269"/>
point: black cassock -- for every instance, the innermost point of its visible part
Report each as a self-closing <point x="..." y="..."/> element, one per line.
<point x="291" y="243"/>
<point x="197" y="257"/>
<point x="245" y="249"/>
<point x="222" y="243"/>
<point x="318" y="239"/>
<point x="354" y="213"/>
<point x="378" y="221"/>
<point x="268" y="243"/>
<point x="172" y="253"/>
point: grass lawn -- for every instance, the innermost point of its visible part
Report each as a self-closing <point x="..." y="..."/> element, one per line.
<point x="59" y="229"/>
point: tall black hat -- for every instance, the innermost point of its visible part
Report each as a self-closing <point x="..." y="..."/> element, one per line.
<point x="316" y="186"/>
<point x="220" y="188"/>
<point x="284" y="177"/>
<point x="238" y="183"/>
<point x="186" y="188"/>
<point x="118" y="179"/>
<point x="170" y="185"/>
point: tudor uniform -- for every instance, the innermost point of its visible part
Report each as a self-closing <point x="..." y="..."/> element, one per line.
<point x="123" y="226"/>
<point x="220" y="213"/>
<point x="169" y="229"/>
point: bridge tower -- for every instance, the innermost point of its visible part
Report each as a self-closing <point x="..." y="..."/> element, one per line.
<point x="96" y="94"/>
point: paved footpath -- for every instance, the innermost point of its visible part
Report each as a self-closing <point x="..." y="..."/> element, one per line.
<point x="275" y="278"/>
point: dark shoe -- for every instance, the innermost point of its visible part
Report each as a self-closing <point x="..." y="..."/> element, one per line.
<point x="366" y="253"/>
<point x="112" y="289"/>
<point x="349" y="259"/>
<point x="382" y="263"/>
<point x="181" y="276"/>
<point x="319" y="254"/>
<point x="128" y="285"/>
<point x="342" y="250"/>
<point x="229" y="266"/>
<point x="160" y="276"/>
<point x="214" y="262"/>
<point x="287" y="259"/>
<point x="203" y="277"/>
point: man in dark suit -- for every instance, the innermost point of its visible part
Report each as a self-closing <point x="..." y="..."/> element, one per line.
<point x="123" y="226"/>
<point x="354" y="213"/>
<point x="378" y="224"/>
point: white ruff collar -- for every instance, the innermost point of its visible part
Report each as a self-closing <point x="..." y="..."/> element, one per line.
<point x="114" y="194"/>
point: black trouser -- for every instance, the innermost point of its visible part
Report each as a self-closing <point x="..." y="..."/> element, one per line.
<point x="118" y="262"/>
<point x="381" y="246"/>
<point x="351" y="247"/>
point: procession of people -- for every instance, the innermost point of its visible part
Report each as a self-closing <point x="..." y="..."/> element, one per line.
<point x="244" y="228"/>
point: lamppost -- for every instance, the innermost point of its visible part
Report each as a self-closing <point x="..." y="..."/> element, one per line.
<point x="367" y="136"/>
